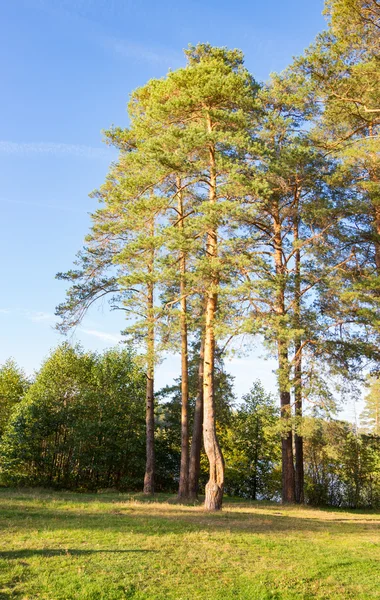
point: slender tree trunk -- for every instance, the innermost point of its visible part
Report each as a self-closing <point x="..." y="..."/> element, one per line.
<point x="374" y="178"/>
<point x="149" y="417"/>
<point x="149" y="469"/>
<point x="377" y="231"/>
<point x="183" y="489"/>
<point x="298" y="439"/>
<point x="196" y="442"/>
<point x="288" y="476"/>
<point x="215" y="484"/>
<point x="256" y="462"/>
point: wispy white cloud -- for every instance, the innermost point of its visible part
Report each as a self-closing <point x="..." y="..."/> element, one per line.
<point x="49" y="319"/>
<point x="53" y="149"/>
<point x="38" y="317"/>
<point x="102" y="335"/>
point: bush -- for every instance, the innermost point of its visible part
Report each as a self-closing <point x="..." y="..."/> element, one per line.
<point x="80" y="425"/>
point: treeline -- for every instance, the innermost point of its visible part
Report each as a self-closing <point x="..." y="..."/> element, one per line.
<point x="240" y="210"/>
<point x="245" y="210"/>
<point x="80" y="425"/>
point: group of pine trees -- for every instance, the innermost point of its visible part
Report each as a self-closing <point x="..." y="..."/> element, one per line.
<point x="239" y="210"/>
<point x="78" y="424"/>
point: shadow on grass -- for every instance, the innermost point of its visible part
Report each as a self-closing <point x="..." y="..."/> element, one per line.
<point x="139" y="520"/>
<point x="119" y="513"/>
<point x="50" y="552"/>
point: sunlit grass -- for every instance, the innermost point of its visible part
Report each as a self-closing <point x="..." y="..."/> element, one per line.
<point x="113" y="546"/>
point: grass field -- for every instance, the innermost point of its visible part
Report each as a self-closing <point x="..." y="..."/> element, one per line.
<point x="112" y="546"/>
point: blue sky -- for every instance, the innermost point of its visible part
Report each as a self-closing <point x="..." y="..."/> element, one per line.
<point x="68" y="67"/>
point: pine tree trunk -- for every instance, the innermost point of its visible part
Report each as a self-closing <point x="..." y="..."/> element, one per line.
<point x="377" y="244"/>
<point x="196" y="442"/>
<point x="183" y="489"/>
<point x="298" y="439"/>
<point x="376" y="210"/>
<point x="256" y="461"/>
<point x="149" y="469"/>
<point x="288" y="477"/>
<point x="215" y="484"/>
<point x="149" y="416"/>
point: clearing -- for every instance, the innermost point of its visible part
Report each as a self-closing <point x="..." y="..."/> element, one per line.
<point x="66" y="546"/>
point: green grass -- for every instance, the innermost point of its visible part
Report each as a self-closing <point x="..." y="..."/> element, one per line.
<point x="112" y="546"/>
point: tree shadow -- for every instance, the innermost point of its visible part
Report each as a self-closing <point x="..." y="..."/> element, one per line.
<point x="123" y="512"/>
<point x="179" y="519"/>
<point x="51" y="552"/>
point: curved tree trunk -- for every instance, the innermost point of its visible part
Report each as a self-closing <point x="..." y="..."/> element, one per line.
<point x="196" y="442"/>
<point x="215" y="484"/>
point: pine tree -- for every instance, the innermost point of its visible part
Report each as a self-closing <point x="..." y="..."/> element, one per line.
<point x="120" y="260"/>
<point x="342" y="68"/>
<point x="290" y="216"/>
<point x="200" y="116"/>
<point x="189" y="127"/>
<point x="219" y="98"/>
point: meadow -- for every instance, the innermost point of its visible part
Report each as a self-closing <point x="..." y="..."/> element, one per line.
<point x="111" y="546"/>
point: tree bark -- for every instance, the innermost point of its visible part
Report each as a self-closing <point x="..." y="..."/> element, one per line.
<point x="183" y="489"/>
<point x="288" y="477"/>
<point x="298" y="439"/>
<point x="196" y="442"/>
<point x="215" y="484"/>
<point x="149" y="469"/>
<point x="377" y="230"/>
<point x="149" y="415"/>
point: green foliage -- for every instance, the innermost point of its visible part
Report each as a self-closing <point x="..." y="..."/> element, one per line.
<point x="342" y="71"/>
<point x="134" y="241"/>
<point x="13" y="385"/>
<point x="252" y="451"/>
<point x="342" y="467"/>
<point x="80" y="425"/>
<point x="278" y="227"/>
